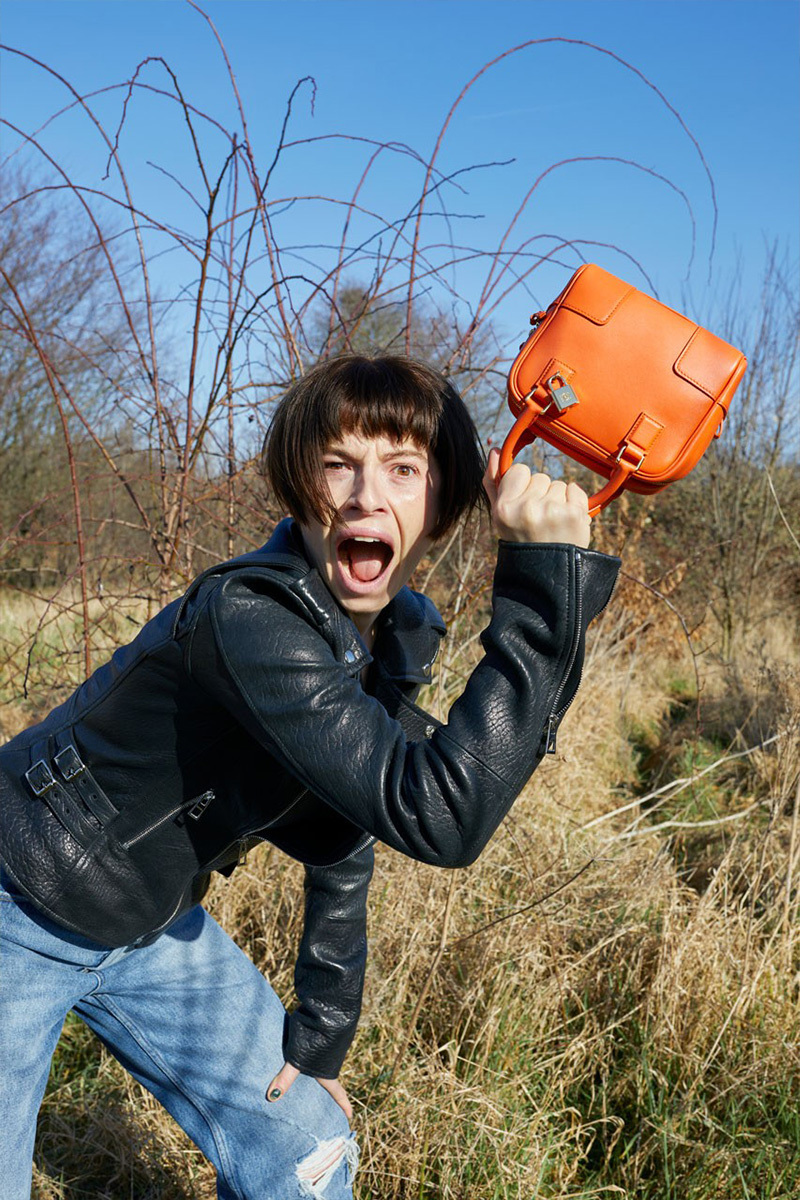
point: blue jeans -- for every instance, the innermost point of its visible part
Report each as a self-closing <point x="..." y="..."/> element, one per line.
<point x="193" y="1020"/>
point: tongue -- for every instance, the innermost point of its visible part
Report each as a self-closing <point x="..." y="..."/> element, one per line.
<point x="366" y="560"/>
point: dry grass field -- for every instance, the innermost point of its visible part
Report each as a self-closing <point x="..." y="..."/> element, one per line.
<point x="606" y="1004"/>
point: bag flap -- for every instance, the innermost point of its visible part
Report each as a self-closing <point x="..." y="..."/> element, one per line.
<point x="596" y="294"/>
<point x="708" y="362"/>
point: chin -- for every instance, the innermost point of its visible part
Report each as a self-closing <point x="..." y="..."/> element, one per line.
<point x="364" y="610"/>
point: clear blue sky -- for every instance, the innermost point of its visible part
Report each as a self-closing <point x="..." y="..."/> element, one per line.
<point x="390" y="70"/>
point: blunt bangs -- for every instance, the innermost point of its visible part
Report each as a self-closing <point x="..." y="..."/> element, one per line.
<point x="390" y="396"/>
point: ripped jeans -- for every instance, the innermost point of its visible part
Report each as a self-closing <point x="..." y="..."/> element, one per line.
<point x="193" y="1020"/>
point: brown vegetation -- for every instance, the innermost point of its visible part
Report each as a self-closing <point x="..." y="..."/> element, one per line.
<point x="610" y="995"/>
<point x="606" y="1004"/>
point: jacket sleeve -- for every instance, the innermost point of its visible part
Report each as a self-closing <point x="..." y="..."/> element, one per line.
<point x="260" y="653"/>
<point x="329" y="976"/>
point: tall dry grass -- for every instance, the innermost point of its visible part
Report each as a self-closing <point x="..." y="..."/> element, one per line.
<point x="606" y="1004"/>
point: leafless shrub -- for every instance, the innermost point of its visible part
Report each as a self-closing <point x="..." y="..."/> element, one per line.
<point x="568" y="1016"/>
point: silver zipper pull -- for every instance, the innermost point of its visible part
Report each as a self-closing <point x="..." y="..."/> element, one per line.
<point x="200" y="805"/>
<point x="550" y="737"/>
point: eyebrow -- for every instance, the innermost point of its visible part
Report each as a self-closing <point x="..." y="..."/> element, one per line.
<point x="409" y="452"/>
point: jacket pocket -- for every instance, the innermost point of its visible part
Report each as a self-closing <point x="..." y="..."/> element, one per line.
<point x="106" y="897"/>
<point x="188" y="810"/>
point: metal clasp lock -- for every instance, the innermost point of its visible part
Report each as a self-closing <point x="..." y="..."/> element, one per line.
<point x="562" y="393"/>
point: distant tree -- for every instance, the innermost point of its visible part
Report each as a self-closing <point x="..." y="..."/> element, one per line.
<point x="144" y="349"/>
<point x="57" y="323"/>
<point x="363" y="320"/>
<point x="729" y="518"/>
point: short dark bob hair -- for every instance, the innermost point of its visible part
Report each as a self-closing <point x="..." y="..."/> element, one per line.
<point x="392" y="396"/>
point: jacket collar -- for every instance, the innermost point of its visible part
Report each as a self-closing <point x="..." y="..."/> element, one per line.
<point x="409" y="628"/>
<point x="409" y="633"/>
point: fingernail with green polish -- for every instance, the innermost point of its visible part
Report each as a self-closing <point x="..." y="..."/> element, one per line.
<point x="275" y="1094"/>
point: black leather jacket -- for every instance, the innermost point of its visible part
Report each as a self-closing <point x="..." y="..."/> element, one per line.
<point x="238" y="714"/>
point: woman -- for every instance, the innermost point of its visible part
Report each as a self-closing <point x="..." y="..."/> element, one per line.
<point x="274" y="701"/>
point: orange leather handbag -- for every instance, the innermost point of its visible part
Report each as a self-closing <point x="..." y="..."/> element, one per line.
<point x="622" y="384"/>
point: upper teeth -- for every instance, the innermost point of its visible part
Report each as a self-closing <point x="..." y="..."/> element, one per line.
<point x="365" y="539"/>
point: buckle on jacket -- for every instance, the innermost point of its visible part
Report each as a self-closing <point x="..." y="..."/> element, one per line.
<point x="69" y="763"/>
<point x="40" y="778"/>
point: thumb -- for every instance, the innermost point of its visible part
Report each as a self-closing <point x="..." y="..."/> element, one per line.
<point x="282" y="1082"/>
<point x="490" y="479"/>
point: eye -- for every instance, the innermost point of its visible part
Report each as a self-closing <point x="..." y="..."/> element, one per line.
<point x="334" y="464"/>
<point x="406" y="470"/>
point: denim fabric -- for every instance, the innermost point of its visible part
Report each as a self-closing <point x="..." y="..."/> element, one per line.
<point x="195" y="1022"/>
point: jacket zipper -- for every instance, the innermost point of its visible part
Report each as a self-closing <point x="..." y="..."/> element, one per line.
<point x="200" y="802"/>
<point x="244" y="838"/>
<point x="362" y="845"/>
<point x="556" y="714"/>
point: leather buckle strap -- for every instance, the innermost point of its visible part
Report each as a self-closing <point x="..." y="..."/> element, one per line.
<point x="59" y="798"/>
<point x="74" y="770"/>
<point x="40" y="778"/>
<point x="83" y="800"/>
<point x="629" y="449"/>
<point x="630" y="459"/>
<point x="69" y="762"/>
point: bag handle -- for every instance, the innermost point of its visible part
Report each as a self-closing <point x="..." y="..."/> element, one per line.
<point x="629" y="459"/>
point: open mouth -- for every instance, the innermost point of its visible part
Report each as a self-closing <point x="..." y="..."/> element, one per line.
<point x="364" y="559"/>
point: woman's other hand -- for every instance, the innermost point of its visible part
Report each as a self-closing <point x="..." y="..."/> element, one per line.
<point x="536" y="508"/>
<point x="286" y="1077"/>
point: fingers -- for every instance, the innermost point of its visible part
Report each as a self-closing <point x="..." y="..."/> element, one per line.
<point x="339" y="1094"/>
<point x="490" y="480"/>
<point x="530" y="507"/>
<point x="556" y="493"/>
<point x="282" y="1082"/>
<point x="535" y="508"/>
<point x="286" y="1077"/>
<point x="519" y="482"/>
<point x="577" y="496"/>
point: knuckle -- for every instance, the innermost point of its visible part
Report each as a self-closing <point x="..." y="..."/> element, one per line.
<point x="503" y="511"/>
<point x="519" y="474"/>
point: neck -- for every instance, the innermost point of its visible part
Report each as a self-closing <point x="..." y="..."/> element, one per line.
<point x="366" y="624"/>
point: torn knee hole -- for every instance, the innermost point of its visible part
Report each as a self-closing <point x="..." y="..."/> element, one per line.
<point x="317" y="1168"/>
<point x="326" y="1155"/>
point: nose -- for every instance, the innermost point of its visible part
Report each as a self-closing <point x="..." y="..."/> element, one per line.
<point x="366" y="492"/>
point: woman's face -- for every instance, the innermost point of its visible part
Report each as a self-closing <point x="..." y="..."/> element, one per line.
<point x="386" y="494"/>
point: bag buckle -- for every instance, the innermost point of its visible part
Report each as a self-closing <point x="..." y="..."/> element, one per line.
<point x="562" y="393"/>
<point x="69" y="763"/>
<point x="40" y="778"/>
<point x="632" y="449"/>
